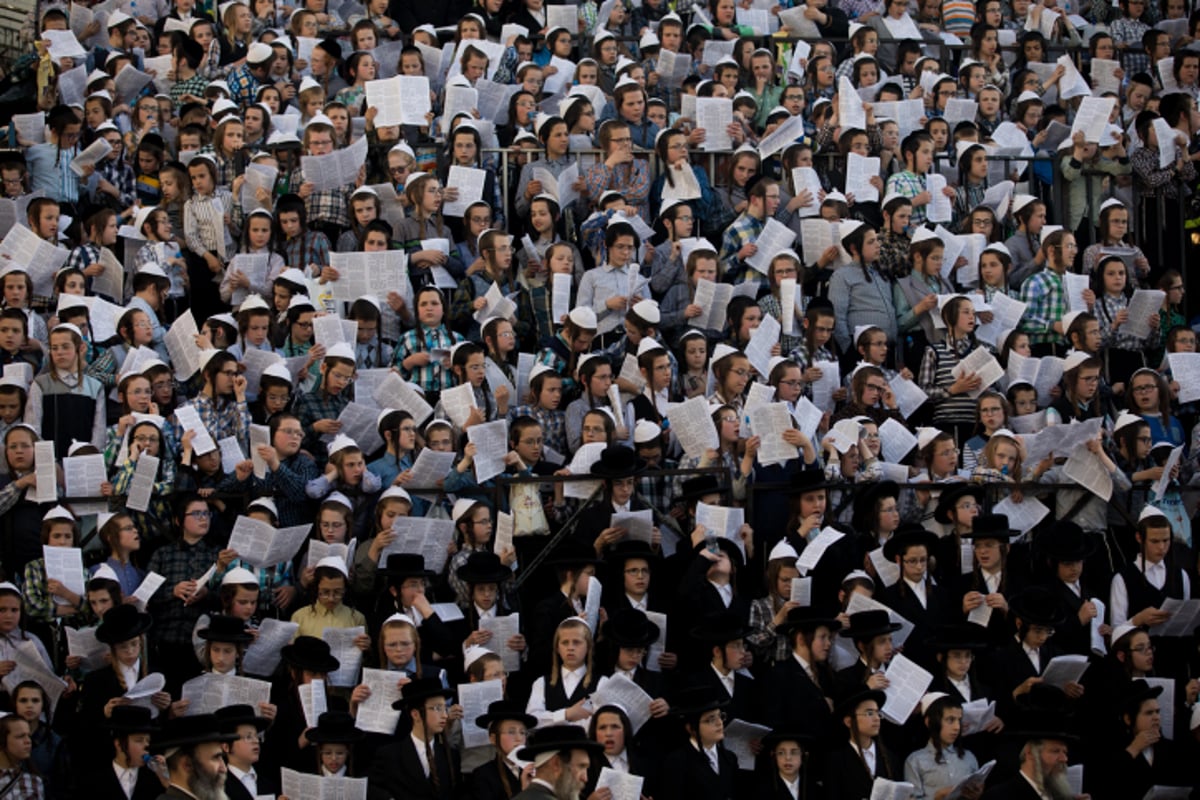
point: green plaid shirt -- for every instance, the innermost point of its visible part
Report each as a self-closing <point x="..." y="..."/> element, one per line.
<point x="1046" y="299"/>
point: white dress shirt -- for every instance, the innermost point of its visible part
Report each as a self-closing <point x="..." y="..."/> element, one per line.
<point x="620" y="508"/>
<point x="1040" y="793"/>
<point x="714" y="760"/>
<point x="640" y="605"/>
<point x="868" y="755"/>
<point x="129" y="674"/>
<point x="726" y="679"/>
<point x="918" y="589"/>
<point x="725" y="591"/>
<point x="804" y="665"/>
<point x="419" y="746"/>
<point x="1156" y="575"/>
<point x="620" y="763"/>
<point x="127" y="777"/>
<point x="1034" y="657"/>
<point x="992" y="579"/>
<point x="793" y="787"/>
<point x="488" y="614"/>
<point x="963" y="687"/>
<point x="249" y="779"/>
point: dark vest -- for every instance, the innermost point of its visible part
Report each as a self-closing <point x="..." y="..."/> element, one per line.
<point x="67" y="416"/>
<point x="1142" y="593"/>
<point x="556" y="696"/>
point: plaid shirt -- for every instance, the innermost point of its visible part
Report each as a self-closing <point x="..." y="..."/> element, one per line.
<point x="1129" y="32"/>
<point x="25" y="785"/>
<point x="551" y="358"/>
<point x="314" y="406"/>
<point x="310" y="247"/>
<point x="120" y="175"/>
<point x="157" y="516"/>
<point x="769" y="646"/>
<point x="631" y="180"/>
<point x="658" y="490"/>
<point x="194" y="86"/>
<point x="894" y="262"/>
<point x="39" y="604"/>
<point x="423" y="339"/>
<point x="743" y="231"/>
<point x="222" y="418"/>
<point x="269" y="580"/>
<point x="554" y="425"/>
<point x="288" y="484"/>
<point x="324" y="206"/>
<point x="242" y="85"/>
<point x="1046" y="299"/>
<point x="1107" y="307"/>
<point x="177" y="561"/>
<point x="909" y="184"/>
<point x="225" y="167"/>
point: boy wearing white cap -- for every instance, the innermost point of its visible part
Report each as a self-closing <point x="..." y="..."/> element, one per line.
<point x="319" y="409"/>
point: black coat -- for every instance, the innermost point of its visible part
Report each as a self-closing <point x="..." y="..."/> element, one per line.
<point x="688" y="775"/>
<point x="796" y="703"/>
<point x="148" y="787"/>
<point x="1015" y="788"/>
<point x="396" y="772"/>
<point x="487" y="784"/>
<point x="745" y="702"/>
<point x="846" y="776"/>
<point x="936" y="611"/>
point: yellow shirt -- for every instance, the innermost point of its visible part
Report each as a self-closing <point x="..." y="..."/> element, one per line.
<point x="313" y="620"/>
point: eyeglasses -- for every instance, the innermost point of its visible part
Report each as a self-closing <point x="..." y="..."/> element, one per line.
<point x="713" y="719"/>
<point x="1145" y="440"/>
<point x="1147" y="387"/>
<point x="229" y="373"/>
<point x="640" y="572"/>
<point x="876" y="387"/>
<point x="332" y="526"/>
<point x="145" y="439"/>
<point x="792" y="383"/>
<point x="622" y="247"/>
<point x="1043" y="630"/>
<point x="331" y="594"/>
<point x="741" y="372"/>
<point x="914" y="562"/>
<point x="1142" y="649"/>
<point x="205" y="514"/>
<point x="538" y="442"/>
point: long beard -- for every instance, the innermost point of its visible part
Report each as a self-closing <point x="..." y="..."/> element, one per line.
<point x="208" y="786"/>
<point x="1055" y="783"/>
<point x="566" y="787"/>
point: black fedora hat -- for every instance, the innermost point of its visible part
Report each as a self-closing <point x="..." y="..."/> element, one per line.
<point x="230" y="718"/>
<point x="483" y="566"/>
<point x="401" y="566"/>
<point x="310" y="653"/>
<point x="618" y="461"/>
<point x="693" y="700"/>
<point x="807" y="480"/>
<point x="959" y="636"/>
<point x="991" y="526"/>
<point x="1042" y="713"/>
<point x="335" y="727"/>
<point x="863" y="519"/>
<point x="807" y="619"/>
<point x="721" y="627"/>
<point x="950" y="496"/>
<point x="846" y="707"/>
<point x="331" y="46"/>
<point x="571" y="552"/>
<point x="629" y="627"/>
<point x="224" y="628"/>
<point x="727" y="546"/>
<point x="622" y="551"/>
<point x="122" y="623"/>
<point x="500" y="710"/>
<point x="776" y="737"/>
<point x="1037" y="605"/>
<point x="869" y="624"/>
<point x="185" y="731"/>
<point x="556" y="739"/>
<point x="131" y="719"/>
<point x="1137" y="693"/>
<point x="700" y="486"/>
<point x="416" y="692"/>
<point x="909" y="535"/>
<point x="1065" y="541"/>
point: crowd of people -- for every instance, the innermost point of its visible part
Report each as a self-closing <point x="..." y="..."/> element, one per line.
<point x="672" y="400"/>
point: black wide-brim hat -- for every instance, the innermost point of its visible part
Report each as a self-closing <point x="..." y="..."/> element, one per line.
<point x="616" y="556"/>
<point x="186" y="731"/>
<point x="629" y="627"/>
<point x="483" y="566"/>
<point x="951" y="495"/>
<point x="807" y="619"/>
<point x="571" y="553"/>
<point x="721" y="628"/>
<point x="959" y="636"/>
<point x="1137" y="693"/>
<point x="618" y="461"/>
<point x="700" y="486"/>
<point x="991" y="526"/>
<point x="417" y="691"/>
<point x="335" y="727"/>
<point x="869" y="624"/>
<point x="1065" y="541"/>
<point x="224" y="628"/>
<point x="131" y="719"/>
<point x="557" y="738"/>
<point x="310" y="653"/>
<point x="693" y="700"/>
<point x="906" y="536"/>
<point x="230" y="718"/>
<point x="846" y="707"/>
<point x="500" y="710"/>
<point x="122" y="623"/>
<point x="1041" y="714"/>
<point x="1037" y="605"/>
<point x="807" y="480"/>
<point x="864" y="504"/>
<point x="804" y="739"/>
<point x="401" y="566"/>
<point x="727" y="546"/>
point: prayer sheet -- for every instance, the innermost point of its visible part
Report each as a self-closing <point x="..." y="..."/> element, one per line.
<point x="318" y="550"/>
<point x="458" y="402"/>
<point x="621" y="691"/>
<point x="980" y="615"/>
<point x="231" y="453"/>
<point x="313" y="702"/>
<point x="659" y="645"/>
<point x="712" y="298"/>
<point x="816" y="548"/>
<point x="769" y="421"/>
<point x="328" y="331"/>
<point x="212" y="691"/>
<point x="300" y="786"/>
<point x="141" y="691"/>
<point x="31" y="667"/>
<point x="790" y="130"/>
<point x="723" y="522"/>
<point x="1104" y="78"/>
<point x="909" y="396"/>
<point x="940" y="208"/>
<point x="1092" y="117"/>
<point x="430" y="467"/>
<point x="888" y="571"/>
<point x="260" y="435"/>
<point x="491" y="446"/>
<point x="258" y="176"/>
<point x="775" y="236"/>
<point x="1075" y="778"/>
<point x="262" y="655"/>
<point x="638" y="525"/>
<point x="684" y="185"/>
<point x="798" y="24"/>
<point x="505" y="528"/>
<point x="591" y="604"/>
<point x="84" y="475"/>
<point x="375" y="274"/>
<point x="581" y="464"/>
<point x="41" y="258"/>
<point x="503" y="629"/>
<point x="1185" y="370"/>
<point x="1061" y="440"/>
<point x="1144" y="304"/>
<point x="397" y="393"/>
<point x="801" y="591"/>
<point x="147" y="588"/>
<point x="1075" y="286"/>
<point x="180" y="340"/>
<point x="333" y="171"/>
<point x="973" y="783"/>
<point x="1166" y="704"/>
<point x="375" y="714"/>
<point x="982" y="363"/>
<point x="1064" y="669"/>
<point x="1097" y="639"/>
<point x="262" y="546"/>
<point x="1086" y="469"/>
<point x="475" y="699"/>
<point x="1044" y="373"/>
<point x="807" y="178"/>
<point x="673" y="68"/>
<point x="808" y="418"/>
<point x="402" y="100"/>
<point x="622" y="785"/>
<point x="341" y="645"/>
<point x="1022" y="516"/>
<point x="959" y="110"/>
<point x="906" y="113"/>
<point x="110" y="282"/>
<point x="498" y="305"/>
<point x="907" y="683"/>
<point x="1006" y="314"/>
<point x="91" y="155"/>
<point x="738" y="736"/>
<point x="83" y="643"/>
<point x="859" y="602"/>
<point x="693" y="426"/>
<point x="1168" y="145"/>
<point x="1183" y="620"/>
<point x="790" y="304"/>
<point x="65" y="565"/>
<point x="859" y="172"/>
<point x="714" y="115"/>
<point x="560" y="304"/>
<point x="1168" y="793"/>
<point x="824" y="386"/>
<point x="851" y="113"/>
<point x="424" y="535"/>
<point x="470" y="184"/>
<point x="255" y="266"/>
<point x="977" y="714"/>
<point x="142" y="486"/>
<point x="630" y="372"/>
<point x="884" y="789"/>
<point x="762" y="339"/>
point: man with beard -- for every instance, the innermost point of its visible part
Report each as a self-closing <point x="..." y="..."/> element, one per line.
<point x="195" y="755"/>
<point x="1043" y="771"/>
<point x="561" y="755"/>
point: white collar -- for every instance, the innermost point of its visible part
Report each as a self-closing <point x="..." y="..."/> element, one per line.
<point x="640" y="605"/>
<point x="575" y="673"/>
<point x="491" y="612"/>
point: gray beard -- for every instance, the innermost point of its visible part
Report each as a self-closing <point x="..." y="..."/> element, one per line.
<point x="566" y="787"/>
<point x="208" y="787"/>
<point x="1055" y="783"/>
